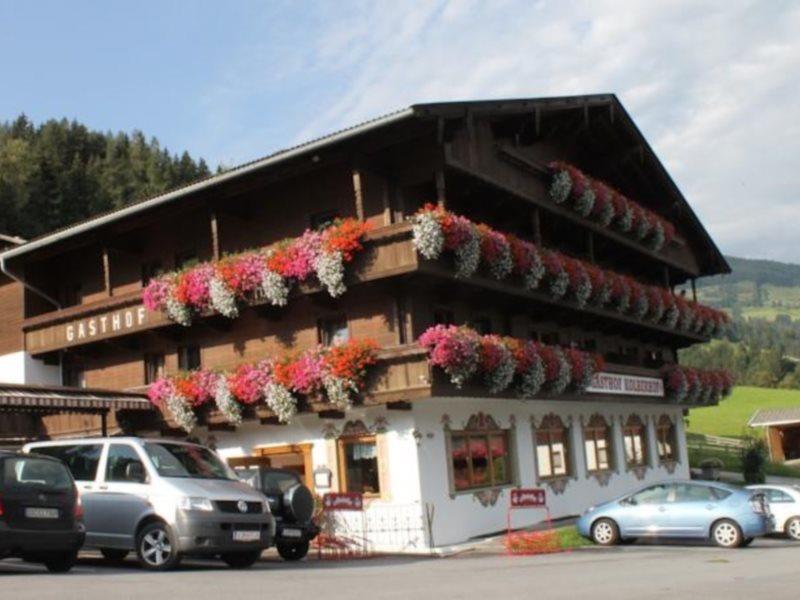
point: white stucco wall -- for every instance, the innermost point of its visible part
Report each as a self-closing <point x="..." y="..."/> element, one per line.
<point x="462" y="516"/>
<point x="20" y="367"/>
<point x="418" y="464"/>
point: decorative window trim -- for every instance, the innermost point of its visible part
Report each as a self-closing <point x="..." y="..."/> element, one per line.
<point x="603" y="475"/>
<point x="357" y="431"/>
<point x="666" y="426"/>
<point x="556" y="482"/>
<point x="634" y="423"/>
<point x="480" y="423"/>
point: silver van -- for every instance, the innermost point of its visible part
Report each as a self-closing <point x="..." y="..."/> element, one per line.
<point x="164" y="500"/>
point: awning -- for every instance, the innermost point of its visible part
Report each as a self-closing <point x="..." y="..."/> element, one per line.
<point x="766" y="417"/>
<point x="43" y="398"/>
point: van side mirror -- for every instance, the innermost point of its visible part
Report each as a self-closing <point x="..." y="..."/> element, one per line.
<point x="134" y="471"/>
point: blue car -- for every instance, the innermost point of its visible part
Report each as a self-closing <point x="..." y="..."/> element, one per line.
<point x="727" y="515"/>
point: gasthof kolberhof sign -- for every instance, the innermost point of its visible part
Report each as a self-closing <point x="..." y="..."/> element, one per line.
<point x="626" y="385"/>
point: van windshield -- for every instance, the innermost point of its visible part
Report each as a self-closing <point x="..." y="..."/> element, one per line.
<point x="187" y="462"/>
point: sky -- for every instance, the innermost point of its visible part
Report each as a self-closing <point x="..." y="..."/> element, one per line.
<point x="714" y="86"/>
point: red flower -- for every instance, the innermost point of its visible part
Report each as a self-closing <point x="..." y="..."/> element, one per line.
<point x="345" y="237"/>
<point x="351" y="359"/>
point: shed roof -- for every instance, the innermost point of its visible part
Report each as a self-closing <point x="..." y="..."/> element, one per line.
<point x="34" y="398"/>
<point x="775" y="416"/>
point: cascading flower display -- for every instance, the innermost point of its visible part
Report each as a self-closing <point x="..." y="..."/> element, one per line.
<point x="336" y="374"/>
<point x="505" y="256"/>
<point x="690" y="385"/>
<point x="598" y="201"/>
<point x="220" y="287"/>
<point x="530" y="367"/>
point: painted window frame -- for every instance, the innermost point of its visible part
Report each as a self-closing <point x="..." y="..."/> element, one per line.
<point x="341" y="443"/>
<point x="591" y="433"/>
<point x="550" y="425"/>
<point x="666" y="435"/>
<point x="635" y="426"/>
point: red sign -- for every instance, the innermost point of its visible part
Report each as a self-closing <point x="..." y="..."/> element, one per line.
<point x="528" y="497"/>
<point x="343" y="501"/>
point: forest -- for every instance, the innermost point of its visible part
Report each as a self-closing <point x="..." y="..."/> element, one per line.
<point x="60" y="172"/>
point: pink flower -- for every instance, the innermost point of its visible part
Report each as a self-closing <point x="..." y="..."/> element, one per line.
<point x="247" y="382"/>
<point x="242" y="273"/>
<point x="160" y="390"/>
<point x="156" y="293"/>
<point x="308" y="371"/>
<point x="196" y="284"/>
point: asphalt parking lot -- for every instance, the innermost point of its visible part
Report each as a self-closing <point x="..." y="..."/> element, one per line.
<point x="766" y="569"/>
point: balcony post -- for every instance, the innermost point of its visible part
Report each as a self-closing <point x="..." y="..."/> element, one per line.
<point x="358" y="192"/>
<point x="107" y="272"/>
<point x="214" y="235"/>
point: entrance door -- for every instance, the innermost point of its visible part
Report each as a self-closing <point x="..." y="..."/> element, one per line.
<point x="292" y="457"/>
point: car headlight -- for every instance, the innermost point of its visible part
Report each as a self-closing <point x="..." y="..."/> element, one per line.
<point x="195" y="503"/>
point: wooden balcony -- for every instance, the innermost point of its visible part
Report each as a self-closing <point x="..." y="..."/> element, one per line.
<point x="404" y="376"/>
<point x="388" y="253"/>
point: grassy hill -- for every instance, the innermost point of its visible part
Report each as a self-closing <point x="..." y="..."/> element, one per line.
<point x="729" y="419"/>
<point x="756" y="288"/>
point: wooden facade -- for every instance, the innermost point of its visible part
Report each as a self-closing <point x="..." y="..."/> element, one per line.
<point x="485" y="160"/>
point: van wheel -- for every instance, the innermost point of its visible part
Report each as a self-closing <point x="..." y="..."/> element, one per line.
<point x="157" y="548"/>
<point x="241" y="560"/>
<point x="292" y="550"/>
<point x="605" y="532"/>
<point x="113" y="554"/>
<point x="60" y="562"/>
<point x="793" y="528"/>
<point x="726" y="534"/>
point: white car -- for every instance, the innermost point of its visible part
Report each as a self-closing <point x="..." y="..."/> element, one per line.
<point x="784" y="504"/>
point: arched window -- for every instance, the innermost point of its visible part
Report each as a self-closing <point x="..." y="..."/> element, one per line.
<point x="552" y="448"/>
<point x="666" y="439"/>
<point x="598" y="446"/>
<point x="634" y="434"/>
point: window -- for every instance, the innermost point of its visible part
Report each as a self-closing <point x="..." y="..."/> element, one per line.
<point x="597" y="443"/>
<point x="358" y="465"/>
<point x="655" y="494"/>
<point x="73" y="376"/>
<point x="686" y="492"/>
<point x="551" y="338"/>
<point x="150" y="269"/>
<point x="36" y="473"/>
<point x="118" y="464"/>
<point x="482" y="325"/>
<point x="153" y="367"/>
<point x="71" y="294"/>
<point x="635" y="437"/>
<point x="333" y="331"/>
<point x="552" y="448"/>
<point x="323" y="219"/>
<point x="480" y="458"/>
<point x="185" y="258"/>
<point x="777" y="496"/>
<point x="189" y="358"/>
<point x="81" y="459"/>
<point x="443" y="316"/>
<point x="666" y="439"/>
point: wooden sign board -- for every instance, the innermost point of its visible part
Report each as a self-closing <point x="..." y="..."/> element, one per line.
<point x="343" y="501"/>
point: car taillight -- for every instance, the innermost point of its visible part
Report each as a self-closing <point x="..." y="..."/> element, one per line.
<point x="759" y="504"/>
<point x="78" y="511"/>
<point x="2" y="512"/>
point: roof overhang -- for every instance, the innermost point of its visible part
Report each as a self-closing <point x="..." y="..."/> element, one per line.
<point x="44" y="399"/>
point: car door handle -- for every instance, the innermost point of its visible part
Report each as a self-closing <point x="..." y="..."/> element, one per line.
<point x="710" y="507"/>
<point x="102" y="487"/>
<point x="87" y="487"/>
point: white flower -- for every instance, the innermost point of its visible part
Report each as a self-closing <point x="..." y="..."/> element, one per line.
<point x="642" y="228"/>
<point x="339" y="391"/>
<point x="223" y="299"/>
<point x="585" y="204"/>
<point x="468" y="255"/>
<point x="534" y="275"/>
<point x="560" y="187"/>
<point x="428" y="237"/>
<point x="500" y="377"/>
<point x="625" y="221"/>
<point x="641" y="306"/>
<point x="501" y="268"/>
<point x="559" y="284"/>
<point x="280" y="401"/>
<point x="180" y="313"/>
<point x="181" y="412"/>
<point x="673" y="314"/>
<point x="532" y="379"/>
<point x="226" y="403"/>
<point x="607" y="214"/>
<point x="656" y="310"/>
<point x="564" y="376"/>
<point x="584" y="289"/>
<point x="274" y="288"/>
<point x="658" y="239"/>
<point x="329" y="267"/>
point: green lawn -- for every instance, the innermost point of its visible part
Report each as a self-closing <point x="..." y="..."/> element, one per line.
<point x="729" y="419"/>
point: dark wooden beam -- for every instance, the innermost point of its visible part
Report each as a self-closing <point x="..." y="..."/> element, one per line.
<point x="215" y="252"/>
<point x="106" y="272"/>
<point x="399" y="405"/>
<point x="331" y="414"/>
<point x="358" y="193"/>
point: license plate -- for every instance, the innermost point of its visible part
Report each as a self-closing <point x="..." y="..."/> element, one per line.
<point x="292" y="533"/>
<point x="41" y="513"/>
<point x="246" y="536"/>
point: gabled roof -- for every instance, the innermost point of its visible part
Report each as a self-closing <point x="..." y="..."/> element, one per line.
<point x="775" y="416"/>
<point x="713" y="263"/>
